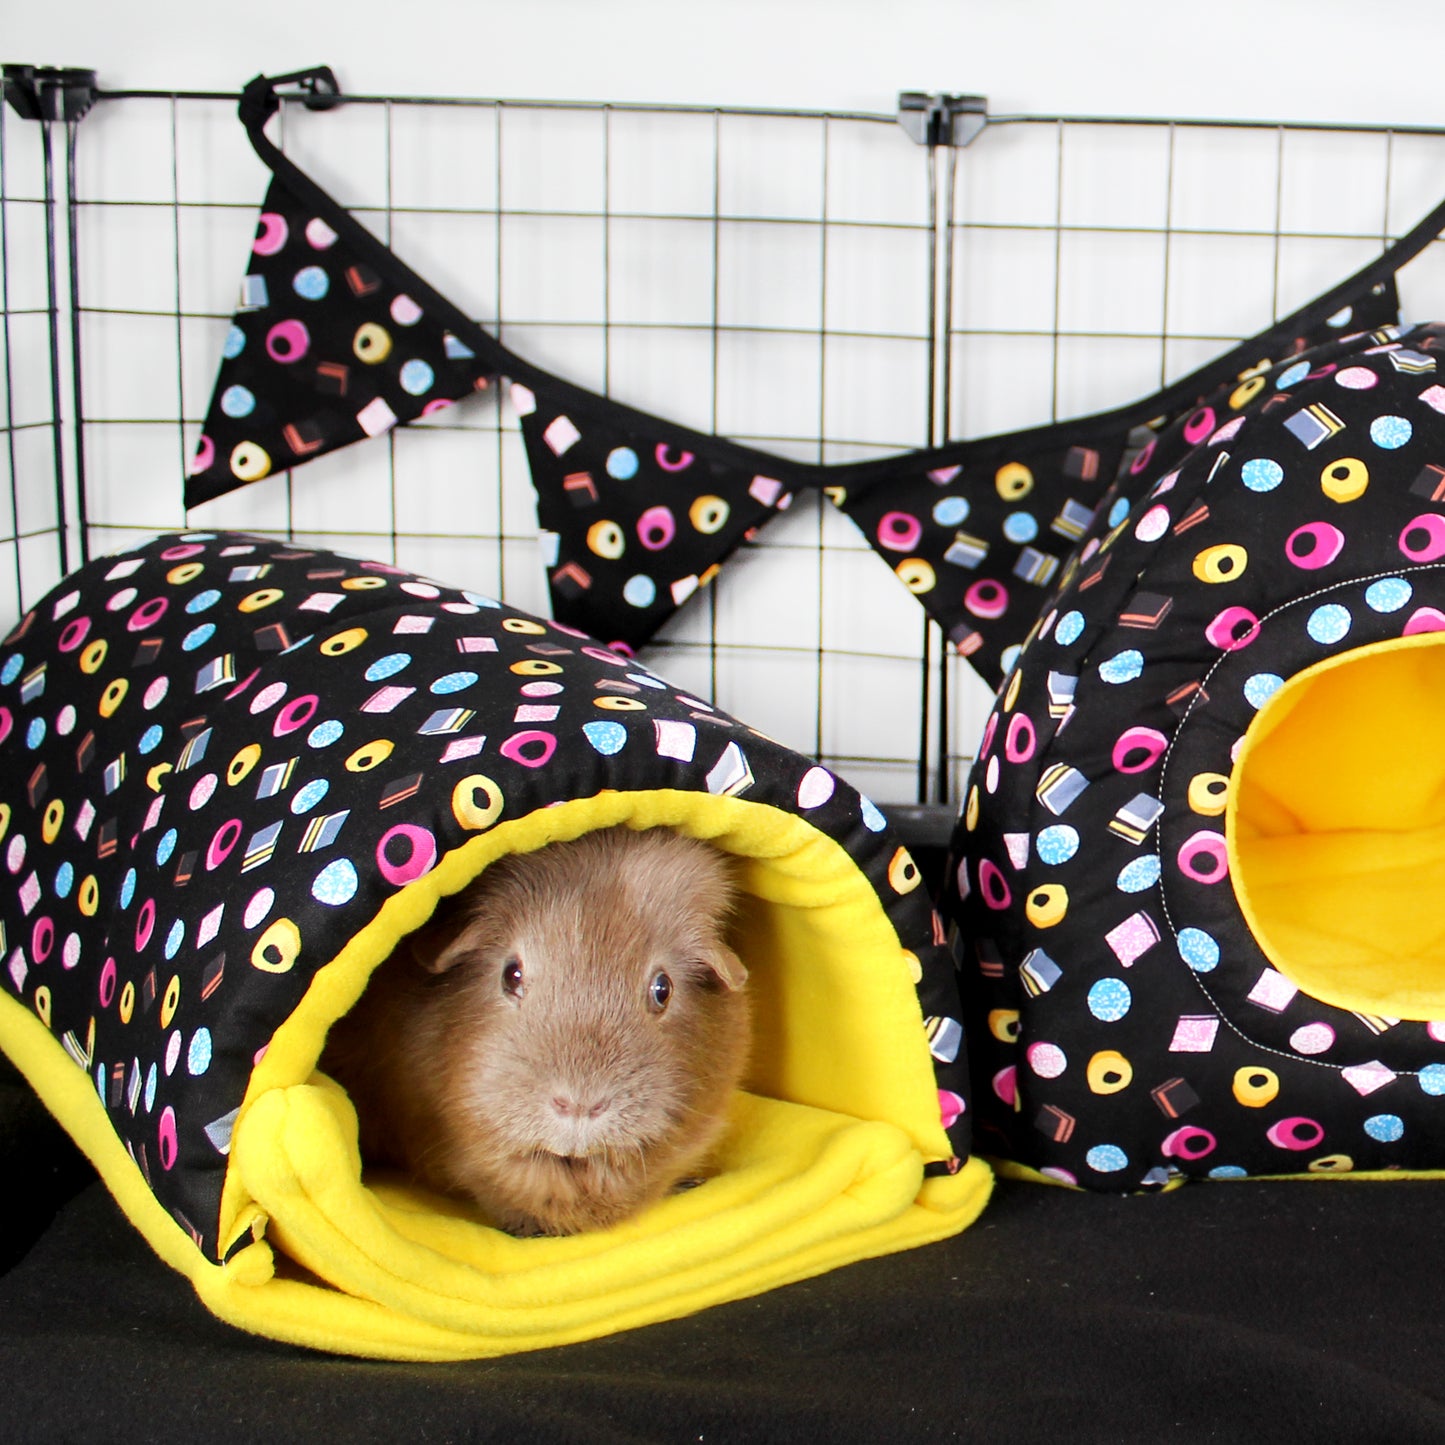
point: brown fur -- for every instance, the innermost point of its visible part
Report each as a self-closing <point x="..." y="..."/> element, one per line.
<point x="575" y="1104"/>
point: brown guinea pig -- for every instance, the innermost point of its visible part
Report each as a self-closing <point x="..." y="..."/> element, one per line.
<point x="561" y="1040"/>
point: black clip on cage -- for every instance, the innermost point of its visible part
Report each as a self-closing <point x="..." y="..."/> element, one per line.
<point x="49" y="92"/>
<point x="316" y="85"/>
<point x="942" y="120"/>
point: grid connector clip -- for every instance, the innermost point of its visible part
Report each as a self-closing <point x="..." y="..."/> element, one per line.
<point x="50" y="92"/>
<point x="942" y="120"/>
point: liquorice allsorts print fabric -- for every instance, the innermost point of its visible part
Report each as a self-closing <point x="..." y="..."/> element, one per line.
<point x="323" y="351"/>
<point x="1125" y="1026"/>
<point x="977" y="531"/>
<point x="631" y="526"/>
<point x="221" y="755"/>
<point x="338" y="340"/>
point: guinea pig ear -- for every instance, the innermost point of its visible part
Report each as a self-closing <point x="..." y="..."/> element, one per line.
<point x="440" y="945"/>
<point x="727" y="966"/>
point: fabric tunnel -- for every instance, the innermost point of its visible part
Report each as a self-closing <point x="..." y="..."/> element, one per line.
<point x="238" y="771"/>
<point x="1199" y="863"/>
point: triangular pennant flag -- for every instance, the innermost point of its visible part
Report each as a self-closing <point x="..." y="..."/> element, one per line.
<point x="985" y="532"/>
<point x="633" y="520"/>
<point x="980" y="535"/>
<point x="324" y="350"/>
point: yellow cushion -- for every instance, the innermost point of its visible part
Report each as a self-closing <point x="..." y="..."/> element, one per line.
<point x="1336" y="829"/>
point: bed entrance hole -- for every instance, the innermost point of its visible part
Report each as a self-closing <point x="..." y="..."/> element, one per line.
<point x="1336" y="829"/>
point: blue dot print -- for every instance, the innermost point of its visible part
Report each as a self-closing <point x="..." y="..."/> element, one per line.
<point x="1110" y="999"/>
<point x="1107" y="1158"/>
<point x="1390" y="432"/>
<point x="1198" y="949"/>
<point x="1330" y="623"/>
<point x="1070" y="628"/>
<point x="1260" y="474"/>
<point x="1389" y="594"/>
<point x="622" y="464"/>
<point x="1122" y="667"/>
<point x="1057" y="843"/>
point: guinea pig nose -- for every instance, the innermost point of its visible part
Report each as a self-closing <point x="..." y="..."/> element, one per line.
<point x="569" y="1107"/>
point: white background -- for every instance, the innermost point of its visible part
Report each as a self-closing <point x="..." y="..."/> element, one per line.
<point x="1340" y="60"/>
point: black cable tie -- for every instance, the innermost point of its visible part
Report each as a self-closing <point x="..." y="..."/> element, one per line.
<point x="260" y="100"/>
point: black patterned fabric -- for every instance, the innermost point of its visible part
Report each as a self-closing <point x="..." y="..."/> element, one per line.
<point x="1126" y="1025"/>
<point x="637" y="513"/>
<point x="632" y="525"/>
<point x="220" y="756"/>
<point x="323" y="351"/>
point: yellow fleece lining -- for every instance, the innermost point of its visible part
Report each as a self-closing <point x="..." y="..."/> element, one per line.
<point x="1336" y="829"/>
<point x="823" y="1163"/>
<point x="1027" y="1174"/>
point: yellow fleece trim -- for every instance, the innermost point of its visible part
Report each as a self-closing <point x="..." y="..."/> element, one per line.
<point x="1026" y="1173"/>
<point x="799" y="1191"/>
<point x="1335" y="828"/>
<point x="823" y="1163"/>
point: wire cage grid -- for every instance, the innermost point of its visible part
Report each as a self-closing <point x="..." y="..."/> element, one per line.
<point x="819" y="285"/>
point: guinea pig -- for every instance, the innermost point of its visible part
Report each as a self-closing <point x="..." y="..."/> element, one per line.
<point x="560" y="1042"/>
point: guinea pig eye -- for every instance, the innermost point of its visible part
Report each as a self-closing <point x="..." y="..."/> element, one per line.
<point x="659" y="991"/>
<point x="512" y="978"/>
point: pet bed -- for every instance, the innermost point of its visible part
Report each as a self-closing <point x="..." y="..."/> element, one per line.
<point x="1197" y="871"/>
<point x="237" y="771"/>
